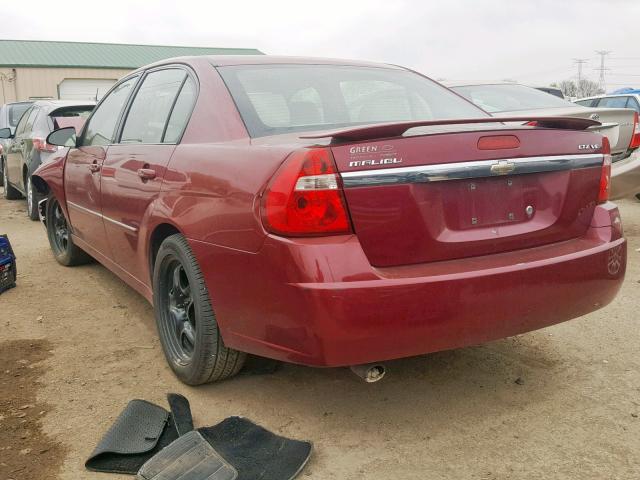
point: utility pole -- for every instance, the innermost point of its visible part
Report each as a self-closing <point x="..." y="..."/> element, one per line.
<point x="579" y="62"/>
<point x="601" y="81"/>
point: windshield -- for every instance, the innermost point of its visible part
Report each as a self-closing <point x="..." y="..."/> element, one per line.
<point x="275" y="99"/>
<point x="15" y="112"/>
<point x="507" y="98"/>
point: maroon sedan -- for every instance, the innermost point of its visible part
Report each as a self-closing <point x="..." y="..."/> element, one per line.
<point x="330" y="213"/>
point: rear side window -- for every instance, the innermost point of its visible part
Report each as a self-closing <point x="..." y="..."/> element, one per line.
<point x="181" y="112"/>
<point x="70" y="117"/>
<point x="152" y="106"/>
<point x="274" y="99"/>
<point x="587" y="103"/>
<point x="23" y="122"/>
<point x="633" y="103"/>
<point x="102" y="125"/>
<point x="31" y="120"/>
<point x="613" y="102"/>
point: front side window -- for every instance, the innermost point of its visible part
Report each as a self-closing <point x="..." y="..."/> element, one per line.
<point x="283" y="98"/>
<point x="102" y="124"/>
<point x="151" y="106"/>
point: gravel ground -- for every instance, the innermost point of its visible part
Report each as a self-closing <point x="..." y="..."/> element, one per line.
<point x="558" y="403"/>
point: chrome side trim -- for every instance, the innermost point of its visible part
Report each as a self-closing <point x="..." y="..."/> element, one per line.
<point x="98" y="214"/>
<point x="462" y="170"/>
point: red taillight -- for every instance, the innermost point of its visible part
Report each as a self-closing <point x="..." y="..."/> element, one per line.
<point x="635" y="139"/>
<point x="305" y="197"/>
<point x="42" y="146"/>
<point x="605" y="176"/>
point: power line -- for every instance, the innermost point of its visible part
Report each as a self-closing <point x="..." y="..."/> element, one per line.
<point x="602" y="69"/>
<point x="579" y="62"/>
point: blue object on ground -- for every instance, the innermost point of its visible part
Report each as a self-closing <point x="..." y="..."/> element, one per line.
<point x="7" y="265"/>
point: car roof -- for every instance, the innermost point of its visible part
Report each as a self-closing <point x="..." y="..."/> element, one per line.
<point x="452" y="84"/>
<point x="610" y="95"/>
<point x="232" y="60"/>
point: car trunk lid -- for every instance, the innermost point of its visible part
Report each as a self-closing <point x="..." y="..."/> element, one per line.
<point x="444" y="196"/>
<point x="615" y="123"/>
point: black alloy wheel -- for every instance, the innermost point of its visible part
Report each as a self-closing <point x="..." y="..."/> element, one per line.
<point x="65" y="251"/>
<point x="187" y="326"/>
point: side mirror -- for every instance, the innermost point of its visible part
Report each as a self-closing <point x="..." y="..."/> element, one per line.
<point x="5" y="133"/>
<point x="63" y="137"/>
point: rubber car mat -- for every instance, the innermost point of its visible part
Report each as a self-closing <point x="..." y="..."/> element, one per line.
<point x="190" y="457"/>
<point x="139" y="432"/>
<point x="257" y="453"/>
<point x="180" y="412"/>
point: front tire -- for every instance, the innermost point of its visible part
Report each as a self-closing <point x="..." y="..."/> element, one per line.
<point x="186" y="322"/>
<point x="10" y="193"/>
<point x="64" y="250"/>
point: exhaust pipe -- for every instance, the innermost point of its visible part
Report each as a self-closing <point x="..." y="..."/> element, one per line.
<point x="370" y="373"/>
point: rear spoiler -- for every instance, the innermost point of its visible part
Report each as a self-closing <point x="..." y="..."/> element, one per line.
<point x="386" y="130"/>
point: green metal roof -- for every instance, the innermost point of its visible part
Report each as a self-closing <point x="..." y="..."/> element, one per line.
<point x="36" y="53"/>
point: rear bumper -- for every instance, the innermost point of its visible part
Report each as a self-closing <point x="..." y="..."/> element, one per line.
<point x="625" y="177"/>
<point x="319" y="302"/>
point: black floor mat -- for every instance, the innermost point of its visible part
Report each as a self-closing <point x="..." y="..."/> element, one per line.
<point x="139" y="432"/>
<point x="255" y="452"/>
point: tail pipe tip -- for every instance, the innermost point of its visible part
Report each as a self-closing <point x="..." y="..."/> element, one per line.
<point x="370" y="373"/>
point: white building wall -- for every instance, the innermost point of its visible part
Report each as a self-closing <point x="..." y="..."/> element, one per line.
<point x="36" y="82"/>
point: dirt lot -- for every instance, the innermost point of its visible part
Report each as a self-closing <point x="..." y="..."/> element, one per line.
<point x="559" y="403"/>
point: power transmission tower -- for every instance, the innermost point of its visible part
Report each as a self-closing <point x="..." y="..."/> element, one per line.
<point x="601" y="81"/>
<point x="579" y="62"/>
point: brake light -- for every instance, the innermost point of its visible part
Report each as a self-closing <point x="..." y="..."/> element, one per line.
<point x="635" y="139"/>
<point x="605" y="176"/>
<point x="42" y="146"/>
<point x="498" y="142"/>
<point x="305" y="197"/>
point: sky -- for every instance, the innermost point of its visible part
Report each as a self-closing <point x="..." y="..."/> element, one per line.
<point x="532" y="42"/>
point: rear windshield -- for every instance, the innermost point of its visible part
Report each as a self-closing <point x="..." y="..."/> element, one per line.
<point x="507" y="98"/>
<point x="274" y="99"/>
<point x="16" y="111"/>
<point x="70" y="116"/>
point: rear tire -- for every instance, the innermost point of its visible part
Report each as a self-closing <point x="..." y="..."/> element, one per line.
<point x="1" y="168"/>
<point x="186" y="322"/>
<point x="10" y="193"/>
<point x="64" y="250"/>
<point x="32" y="200"/>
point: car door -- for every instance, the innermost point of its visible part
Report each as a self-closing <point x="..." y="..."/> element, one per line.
<point x="84" y="163"/>
<point x="18" y="147"/>
<point x="133" y="170"/>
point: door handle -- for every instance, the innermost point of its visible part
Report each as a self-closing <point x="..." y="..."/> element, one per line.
<point x="146" y="173"/>
<point x="94" y="167"/>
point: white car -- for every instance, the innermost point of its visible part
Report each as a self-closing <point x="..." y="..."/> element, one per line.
<point x="619" y="125"/>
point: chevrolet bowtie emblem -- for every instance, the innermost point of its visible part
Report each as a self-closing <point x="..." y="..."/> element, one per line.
<point x="502" y="168"/>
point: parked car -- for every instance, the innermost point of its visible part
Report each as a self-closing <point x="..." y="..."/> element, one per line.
<point x="330" y="213"/>
<point x="627" y="100"/>
<point x="10" y="114"/>
<point x="619" y="125"/>
<point x="28" y="148"/>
